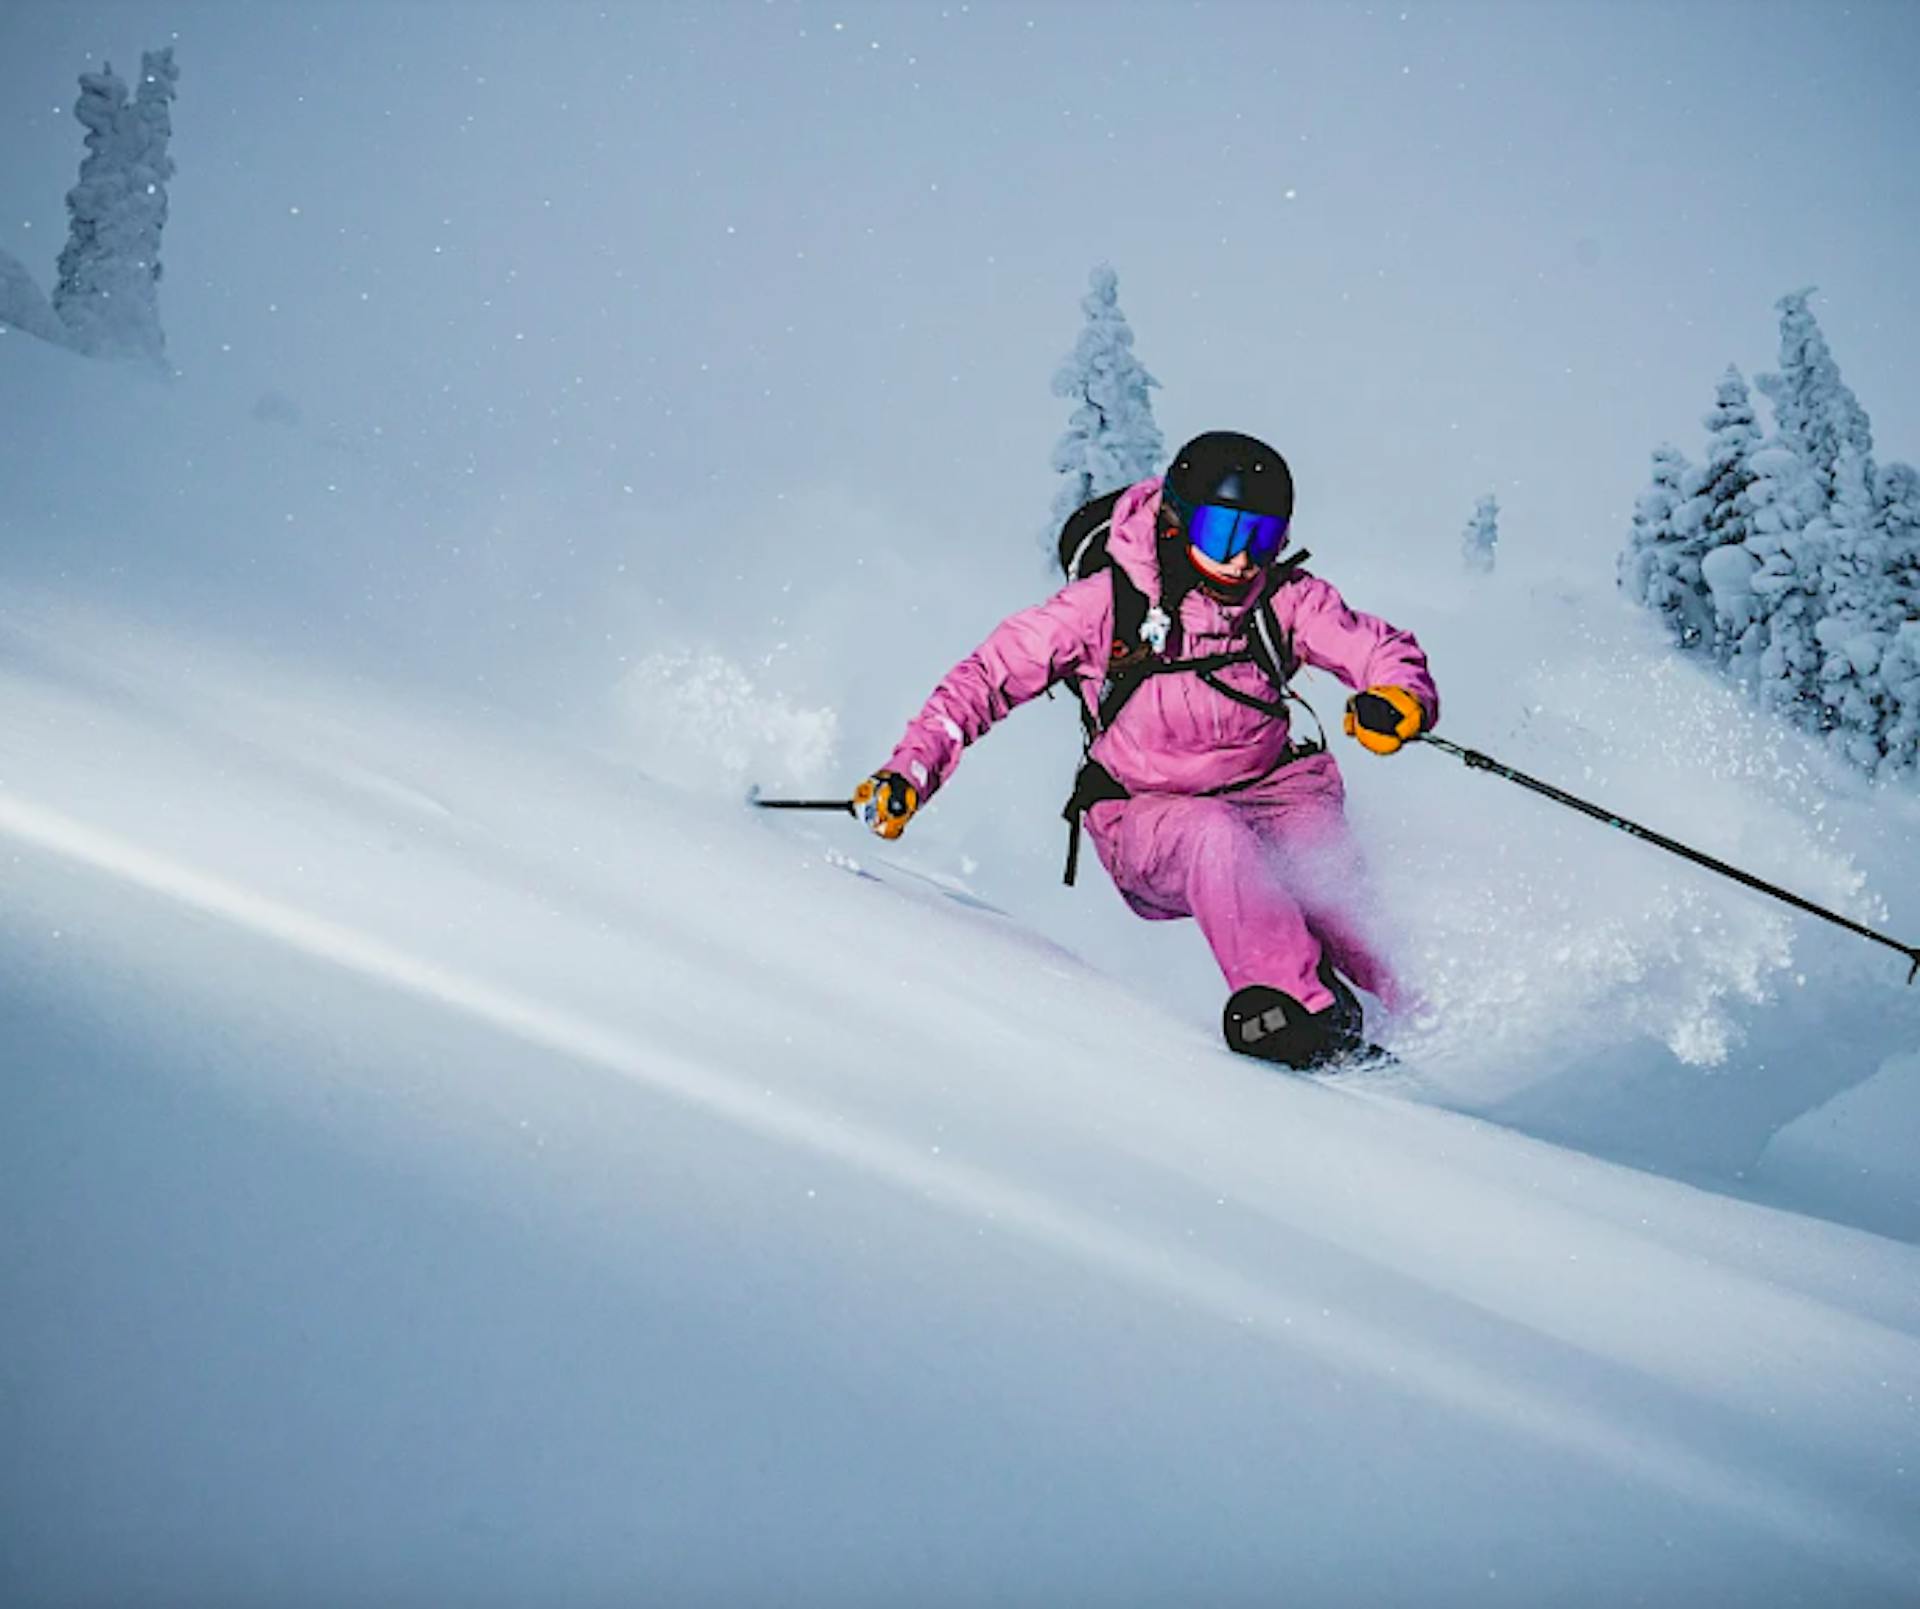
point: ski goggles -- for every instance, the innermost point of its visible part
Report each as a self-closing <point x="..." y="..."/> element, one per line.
<point x="1221" y="533"/>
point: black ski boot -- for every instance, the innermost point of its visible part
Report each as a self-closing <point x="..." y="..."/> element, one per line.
<point x="1275" y="1027"/>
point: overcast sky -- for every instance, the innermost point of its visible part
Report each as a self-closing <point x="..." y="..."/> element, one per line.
<point x="1428" y="250"/>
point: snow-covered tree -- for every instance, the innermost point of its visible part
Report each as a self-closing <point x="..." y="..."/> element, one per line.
<point x="1778" y="650"/>
<point x="1732" y="436"/>
<point x="89" y="263"/>
<point x="1817" y="414"/>
<point x="1897" y="515"/>
<point x="1111" y="438"/>
<point x="106" y="294"/>
<point x="1859" y="614"/>
<point x="1900" y="676"/>
<point x="1660" y="566"/>
<point x="1792" y="559"/>
<point x="1481" y="538"/>
<point x="153" y="111"/>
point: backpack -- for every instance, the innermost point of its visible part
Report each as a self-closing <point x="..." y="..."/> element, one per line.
<point x="1145" y="643"/>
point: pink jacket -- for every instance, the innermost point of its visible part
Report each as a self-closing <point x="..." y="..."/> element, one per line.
<point x="1175" y="734"/>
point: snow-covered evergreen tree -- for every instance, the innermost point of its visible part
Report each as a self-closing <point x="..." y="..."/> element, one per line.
<point x="1778" y="651"/>
<point x="1897" y="515"/>
<point x="1660" y="566"/>
<point x="1817" y="414"/>
<point x="106" y="294"/>
<point x="1732" y="436"/>
<point x="1900" y="676"/>
<point x="1859" y="614"/>
<point x="1792" y="559"/>
<point x="88" y="264"/>
<point x="1111" y="438"/>
<point x="1482" y="536"/>
<point x="153" y="111"/>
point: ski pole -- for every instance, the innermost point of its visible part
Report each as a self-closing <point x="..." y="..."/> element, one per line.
<point x="1477" y="761"/>
<point x="842" y="806"/>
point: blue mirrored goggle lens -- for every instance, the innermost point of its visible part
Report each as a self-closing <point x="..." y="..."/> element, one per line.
<point x="1220" y="533"/>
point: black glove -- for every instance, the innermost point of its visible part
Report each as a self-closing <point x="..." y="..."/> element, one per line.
<point x="1382" y="718"/>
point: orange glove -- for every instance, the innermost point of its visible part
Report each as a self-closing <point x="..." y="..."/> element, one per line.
<point x="1382" y="718"/>
<point x="886" y="802"/>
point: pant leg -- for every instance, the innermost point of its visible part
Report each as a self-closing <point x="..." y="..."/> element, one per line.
<point x="1173" y="856"/>
<point x="1329" y="879"/>
<point x="1303" y="818"/>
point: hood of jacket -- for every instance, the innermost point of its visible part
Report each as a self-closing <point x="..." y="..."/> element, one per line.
<point x="1133" y="543"/>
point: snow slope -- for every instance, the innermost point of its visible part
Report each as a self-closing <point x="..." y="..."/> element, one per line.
<point x="445" y="1166"/>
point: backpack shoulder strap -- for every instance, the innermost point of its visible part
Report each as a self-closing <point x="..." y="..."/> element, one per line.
<point x="1129" y="660"/>
<point x="1272" y="647"/>
<point x="1273" y="650"/>
<point x="1129" y="614"/>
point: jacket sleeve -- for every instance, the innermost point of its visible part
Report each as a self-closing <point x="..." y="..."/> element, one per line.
<point x="1362" y="650"/>
<point x="1023" y="656"/>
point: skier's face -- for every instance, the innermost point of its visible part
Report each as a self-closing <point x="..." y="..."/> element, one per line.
<point x="1235" y="572"/>
<point x="1227" y="545"/>
<point x="1229" y="575"/>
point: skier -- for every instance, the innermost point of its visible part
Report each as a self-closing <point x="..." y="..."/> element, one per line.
<point x="1199" y="799"/>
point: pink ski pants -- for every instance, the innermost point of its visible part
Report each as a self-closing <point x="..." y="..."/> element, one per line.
<point x="1271" y="874"/>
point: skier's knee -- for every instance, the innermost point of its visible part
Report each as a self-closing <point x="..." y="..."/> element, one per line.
<point x="1220" y="839"/>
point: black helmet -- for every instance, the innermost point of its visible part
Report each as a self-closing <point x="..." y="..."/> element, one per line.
<point x="1226" y="468"/>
